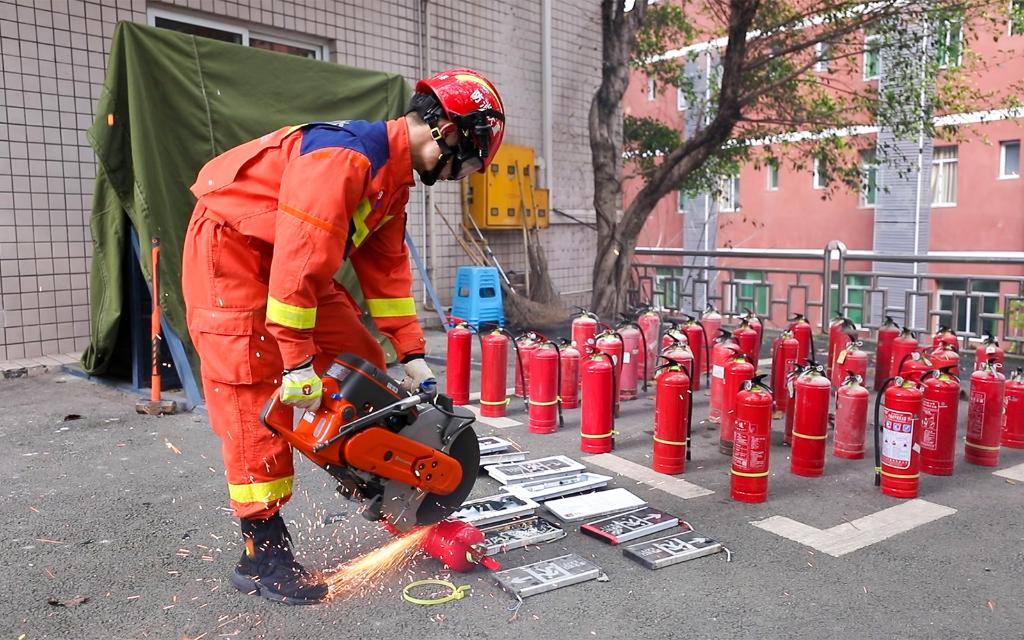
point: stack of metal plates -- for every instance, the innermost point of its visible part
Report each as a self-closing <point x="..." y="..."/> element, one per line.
<point x="495" y="450"/>
<point x="541" y="490"/>
<point x="538" y="469"/>
<point x="594" y="505"/>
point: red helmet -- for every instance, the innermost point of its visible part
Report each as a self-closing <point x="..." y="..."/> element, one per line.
<point x="471" y="102"/>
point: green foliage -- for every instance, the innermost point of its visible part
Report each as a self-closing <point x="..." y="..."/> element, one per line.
<point x="647" y="139"/>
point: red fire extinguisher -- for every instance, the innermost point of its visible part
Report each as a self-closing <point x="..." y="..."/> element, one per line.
<point x="914" y="366"/>
<point x="673" y="335"/>
<point x="597" y="415"/>
<point x="752" y="439"/>
<point x="544" y="416"/>
<point x="633" y="360"/>
<point x="609" y="342"/>
<point x="851" y="418"/>
<point x="943" y="356"/>
<point x="883" y="351"/>
<point x="946" y="336"/>
<point x="649" y="323"/>
<point x="569" y="374"/>
<point x="712" y="322"/>
<point x="804" y="334"/>
<point x="525" y="344"/>
<point x="985" y="416"/>
<point x="681" y="354"/>
<point x="841" y="331"/>
<point x="851" y="359"/>
<point x="721" y="353"/>
<point x="493" y="373"/>
<point x="698" y="341"/>
<point x="747" y="338"/>
<point x="902" y="346"/>
<point x="738" y="371"/>
<point x="460" y="348"/>
<point x="673" y="415"/>
<point x="584" y="330"/>
<point x="988" y="351"/>
<point x="939" y="409"/>
<point x="1013" y="411"/>
<point x="784" y="360"/>
<point x="898" y="438"/>
<point x="810" y="421"/>
<point x="754" y="322"/>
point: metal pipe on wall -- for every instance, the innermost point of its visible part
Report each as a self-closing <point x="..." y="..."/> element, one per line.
<point x="546" y="90"/>
<point x="427" y="235"/>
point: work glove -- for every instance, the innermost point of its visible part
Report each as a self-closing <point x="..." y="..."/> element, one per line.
<point x="418" y="376"/>
<point x="301" y="387"/>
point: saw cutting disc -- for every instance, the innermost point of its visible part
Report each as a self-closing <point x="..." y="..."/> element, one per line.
<point x="405" y="506"/>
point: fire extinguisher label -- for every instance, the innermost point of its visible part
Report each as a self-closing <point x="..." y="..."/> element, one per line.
<point x="929" y="424"/>
<point x="625" y="358"/>
<point x="842" y="357"/>
<point x="718" y="371"/>
<point x="976" y="416"/>
<point x="749" y="448"/>
<point x="897" y="439"/>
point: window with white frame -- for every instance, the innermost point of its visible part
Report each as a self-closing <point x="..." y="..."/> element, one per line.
<point x="728" y="193"/>
<point x="682" y="104"/>
<point x="773" y="174"/>
<point x="229" y="32"/>
<point x="652" y="90"/>
<point x="820" y="178"/>
<point x="872" y="57"/>
<point x="949" y="36"/>
<point x="1009" y="159"/>
<point x="868" y="178"/>
<point x="944" y="169"/>
<point x="822" y="52"/>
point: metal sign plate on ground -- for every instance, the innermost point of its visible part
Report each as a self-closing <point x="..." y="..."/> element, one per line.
<point x="507" y="536"/>
<point x="503" y="458"/>
<point x="539" y="469"/>
<point x="493" y="444"/>
<point x="497" y="508"/>
<point x="541" y="490"/>
<point x="673" y="549"/>
<point x="594" y="505"/>
<point x="630" y="526"/>
<point x="547" y="575"/>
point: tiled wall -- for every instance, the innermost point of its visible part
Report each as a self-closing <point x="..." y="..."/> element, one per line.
<point x="53" y="60"/>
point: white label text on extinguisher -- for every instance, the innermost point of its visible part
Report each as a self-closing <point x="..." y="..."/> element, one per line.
<point x="976" y="416"/>
<point x="930" y="424"/>
<point x="718" y="371"/>
<point x="748" y="453"/>
<point x="625" y="358"/>
<point x="897" y="439"/>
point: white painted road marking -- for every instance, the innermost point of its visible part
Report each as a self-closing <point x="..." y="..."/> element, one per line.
<point x="669" y="484"/>
<point x="850" y="536"/>
<point x="1015" y="472"/>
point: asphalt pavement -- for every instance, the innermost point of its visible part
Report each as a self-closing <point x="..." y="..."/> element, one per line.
<point x="116" y="527"/>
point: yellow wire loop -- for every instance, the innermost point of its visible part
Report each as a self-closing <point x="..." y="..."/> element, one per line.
<point x="458" y="593"/>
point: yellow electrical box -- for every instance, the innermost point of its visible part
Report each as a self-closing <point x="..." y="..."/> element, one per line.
<point x="506" y="194"/>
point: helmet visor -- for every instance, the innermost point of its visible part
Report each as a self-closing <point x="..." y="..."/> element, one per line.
<point x="464" y="166"/>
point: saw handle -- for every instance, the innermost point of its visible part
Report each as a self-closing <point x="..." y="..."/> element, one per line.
<point x="400" y="407"/>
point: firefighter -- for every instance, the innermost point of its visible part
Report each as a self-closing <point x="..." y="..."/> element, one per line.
<point x="274" y="221"/>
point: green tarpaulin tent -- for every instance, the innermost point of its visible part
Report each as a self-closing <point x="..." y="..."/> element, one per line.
<point x="171" y="102"/>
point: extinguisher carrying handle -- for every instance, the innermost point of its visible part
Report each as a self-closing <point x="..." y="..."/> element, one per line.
<point x="522" y="371"/>
<point x="944" y="371"/>
<point x="615" y="380"/>
<point x="756" y="381"/>
<point x="643" y="339"/>
<point x="852" y="376"/>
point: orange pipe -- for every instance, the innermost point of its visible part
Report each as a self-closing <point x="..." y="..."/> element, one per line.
<point x="154" y="386"/>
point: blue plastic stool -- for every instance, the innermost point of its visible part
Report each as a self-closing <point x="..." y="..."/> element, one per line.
<point x="477" y="296"/>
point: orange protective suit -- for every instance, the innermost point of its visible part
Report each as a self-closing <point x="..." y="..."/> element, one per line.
<point x="274" y="221"/>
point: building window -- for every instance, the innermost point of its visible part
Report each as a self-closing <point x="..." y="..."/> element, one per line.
<point x="773" y="175"/>
<point x="751" y="291"/>
<point x="728" y="193"/>
<point x="1009" y="159"/>
<point x="853" y="306"/>
<point x="652" y="90"/>
<point x="226" y="32"/>
<point x="949" y="42"/>
<point x="944" y="164"/>
<point x="820" y="180"/>
<point x="868" y="178"/>
<point x="872" y="57"/>
<point x="682" y="104"/>
<point x="964" y="311"/>
<point x="822" y="52"/>
<point x="667" y="286"/>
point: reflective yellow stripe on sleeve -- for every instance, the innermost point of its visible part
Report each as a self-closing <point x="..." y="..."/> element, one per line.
<point x="290" y="316"/>
<point x="261" y="491"/>
<point x="391" y="307"/>
<point x="359" y="222"/>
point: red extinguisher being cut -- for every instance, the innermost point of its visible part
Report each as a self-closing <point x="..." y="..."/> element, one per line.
<point x="597" y="415"/>
<point x="898" y="438"/>
<point x="804" y="334"/>
<point x="673" y="416"/>
<point x="985" y="416"/>
<point x="883" y="351"/>
<point x="785" y="351"/>
<point x="988" y="351"/>
<point x="852" y="399"/>
<point x="752" y="440"/>
<point x="812" y="391"/>
<point x="1013" y="411"/>
<point x="940" y="407"/>
<point x="460" y="349"/>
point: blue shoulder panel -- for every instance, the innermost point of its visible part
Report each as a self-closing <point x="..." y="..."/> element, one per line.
<point x="368" y="138"/>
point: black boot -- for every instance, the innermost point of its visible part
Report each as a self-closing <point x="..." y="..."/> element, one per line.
<point x="269" y="569"/>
